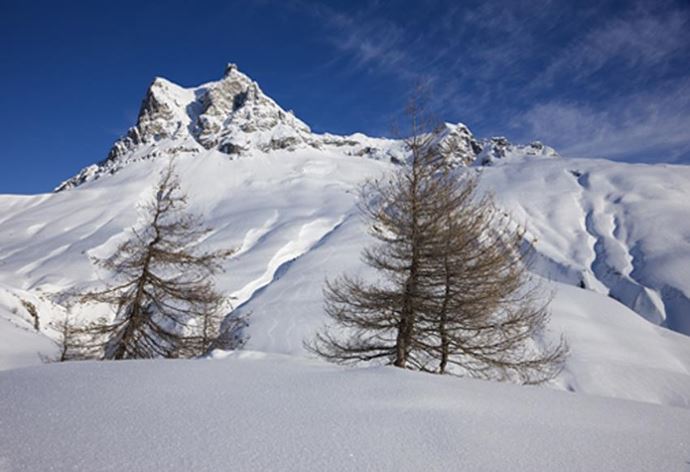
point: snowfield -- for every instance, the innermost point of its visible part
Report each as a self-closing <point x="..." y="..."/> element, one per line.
<point x="253" y="411"/>
<point x="292" y="217"/>
<point x="620" y="229"/>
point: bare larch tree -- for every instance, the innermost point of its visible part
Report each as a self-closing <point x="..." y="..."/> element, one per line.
<point x="164" y="297"/>
<point x="453" y="294"/>
<point x="382" y="318"/>
<point x="489" y="313"/>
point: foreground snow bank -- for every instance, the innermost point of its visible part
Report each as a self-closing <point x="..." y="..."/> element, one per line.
<point x="268" y="412"/>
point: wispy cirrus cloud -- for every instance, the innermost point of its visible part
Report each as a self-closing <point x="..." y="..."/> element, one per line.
<point x="369" y="42"/>
<point x="372" y="42"/>
<point x="617" y="90"/>
<point x="640" y="40"/>
<point x="592" y="80"/>
<point x="652" y="126"/>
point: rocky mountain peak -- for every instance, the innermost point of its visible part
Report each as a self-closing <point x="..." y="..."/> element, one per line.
<point x="236" y="116"/>
<point x="456" y="143"/>
<point x="233" y="116"/>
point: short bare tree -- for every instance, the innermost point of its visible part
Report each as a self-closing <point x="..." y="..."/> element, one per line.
<point x="72" y="343"/>
<point x="163" y="296"/>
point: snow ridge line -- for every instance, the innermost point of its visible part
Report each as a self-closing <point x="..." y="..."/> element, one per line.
<point x="311" y="236"/>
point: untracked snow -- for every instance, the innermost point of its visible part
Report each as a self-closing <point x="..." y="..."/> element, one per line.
<point x="266" y="412"/>
<point x="292" y="217"/>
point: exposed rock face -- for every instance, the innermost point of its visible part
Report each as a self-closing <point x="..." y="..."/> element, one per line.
<point x="456" y="143"/>
<point x="494" y="150"/>
<point x="157" y="119"/>
<point x="237" y="116"/>
<point x="234" y="117"/>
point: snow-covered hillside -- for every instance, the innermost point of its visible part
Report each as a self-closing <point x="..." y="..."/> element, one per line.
<point x="283" y="196"/>
<point x="259" y="412"/>
<point x="618" y="229"/>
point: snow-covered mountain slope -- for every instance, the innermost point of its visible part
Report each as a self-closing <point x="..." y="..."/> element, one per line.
<point x="259" y="412"/>
<point x="293" y="220"/>
<point x="620" y="230"/>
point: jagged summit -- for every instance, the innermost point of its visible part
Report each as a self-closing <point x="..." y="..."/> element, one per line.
<point x="229" y="68"/>
<point x="234" y="117"/>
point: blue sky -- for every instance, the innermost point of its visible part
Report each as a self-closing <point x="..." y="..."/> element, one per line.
<point x="589" y="78"/>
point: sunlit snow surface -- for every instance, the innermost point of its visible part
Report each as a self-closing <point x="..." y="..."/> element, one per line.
<point x="621" y="230"/>
<point x="269" y="412"/>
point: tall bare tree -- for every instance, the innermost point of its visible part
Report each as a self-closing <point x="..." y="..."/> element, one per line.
<point x="453" y="293"/>
<point x="164" y="297"/>
<point x="382" y="318"/>
<point x="490" y="313"/>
